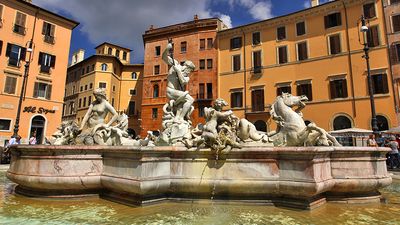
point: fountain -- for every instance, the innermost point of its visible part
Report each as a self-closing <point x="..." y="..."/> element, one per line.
<point x="295" y="166"/>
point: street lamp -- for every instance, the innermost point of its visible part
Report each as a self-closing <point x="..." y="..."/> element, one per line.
<point x="28" y="60"/>
<point x="364" y="30"/>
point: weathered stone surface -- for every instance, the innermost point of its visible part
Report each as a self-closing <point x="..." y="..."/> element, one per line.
<point x="303" y="177"/>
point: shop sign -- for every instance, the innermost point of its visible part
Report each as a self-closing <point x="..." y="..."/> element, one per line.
<point x="41" y="110"/>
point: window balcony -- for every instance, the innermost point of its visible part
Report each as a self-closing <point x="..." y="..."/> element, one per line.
<point x="19" y="29"/>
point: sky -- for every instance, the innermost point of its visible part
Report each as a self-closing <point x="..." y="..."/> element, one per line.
<point x="123" y="22"/>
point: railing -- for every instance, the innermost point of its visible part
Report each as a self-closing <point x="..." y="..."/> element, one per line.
<point x="19" y="29"/>
<point x="49" y="39"/>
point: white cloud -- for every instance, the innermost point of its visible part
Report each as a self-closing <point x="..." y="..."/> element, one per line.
<point x="124" y="21"/>
<point x="258" y="9"/>
<point x="226" y="19"/>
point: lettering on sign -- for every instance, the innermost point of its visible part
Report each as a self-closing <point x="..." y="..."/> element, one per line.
<point x="41" y="110"/>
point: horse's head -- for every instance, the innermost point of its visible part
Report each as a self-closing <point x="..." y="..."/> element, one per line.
<point x="291" y="100"/>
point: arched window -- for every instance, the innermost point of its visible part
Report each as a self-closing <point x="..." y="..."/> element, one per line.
<point x="117" y="53"/>
<point x="382" y="123"/>
<point x="110" y="51"/>
<point x="103" y="67"/>
<point x="341" y="122"/>
<point x="156" y="91"/>
<point x="134" y="75"/>
<point x="260" y="125"/>
<point x="124" y="56"/>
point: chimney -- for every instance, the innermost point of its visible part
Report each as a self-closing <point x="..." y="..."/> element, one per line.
<point x="196" y="17"/>
<point x="314" y="3"/>
<point x="77" y="57"/>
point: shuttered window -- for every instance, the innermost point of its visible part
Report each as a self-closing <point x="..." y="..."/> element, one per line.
<point x="305" y="89"/>
<point x="237" y="99"/>
<point x="183" y="46"/>
<point x="209" y="91"/>
<point x="302" y="51"/>
<point x="15" y="53"/>
<point x="333" y="20"/>
<point x="202" y="64"/>
<point x="202" y="89"/>
<point x="10" y="85"/>
<point x="373" y="36"/>
<point x="46" y="61"/>
<point x="282" y="55"/>
<point x="281" y="33"/>
<point x="236" y="42"/>
<point x="210" y="44"/>
<point x="396" y="23"/>
<point x="48" y="31"/>
<point x="338" y="88"/>
<point x="19" y="25"/>
<point x="257" y="61"/>
<point x="202" y="44"/>
<point x="283" y="89"/>
<point x="396" y="52"/>
<point x="369" y="10"/>
<point x="236" y="63"/>
<point x="256" y="38"/>
<point x="257" y="100"/>
<point x="42" y="90"/>
<point x="334" y="44"/>
<point x="156" y="69"/>
<point x="209" y="63"/>
<point x="380" y="84"/>
<point x="300" y="28"/>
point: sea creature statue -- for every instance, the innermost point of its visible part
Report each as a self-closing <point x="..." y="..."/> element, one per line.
<point x="176" y="119"/>
<point x="94" y="130"/>
<point x="292" y="130"/>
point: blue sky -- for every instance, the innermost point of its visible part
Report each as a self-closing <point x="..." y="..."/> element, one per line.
<point x="124" y="21"/>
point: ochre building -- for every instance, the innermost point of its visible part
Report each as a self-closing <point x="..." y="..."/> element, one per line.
<point x="314" y="52"/>
<point x="109" y="68"/>
<point x="33" y="34"/>
<point x="195" y="41"/>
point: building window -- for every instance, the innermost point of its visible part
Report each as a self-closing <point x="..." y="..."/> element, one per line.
<point x="19" y="25"/>
<point x="281" y="33"/>
<point x="48" y="31"/>
<point x="1" y="12"/>
<point x="132" y="92"/>
<point x="154" y="113"/>
<point x="84" y="102"/>
<point x="109" y="51"/>
<point x="10" y="85"/>
<point x="334" y="44"/>
<point x="283" y="89"/>
<point x="282" y="55"/>
<point x="305" y="89"/>
<point x="202" y="44"/>
<point x="86" y="87"/>
<point x="132" y="108"/>
<point x="124" y="56"/>
<point x="382" y="123"/>
<point x="112" y="102"/>
<point x="201" y="91"/>
<point x="183" y="46"/>
<point x="46" y="61"/>
<point x="117" y="53"/>
<point x="396" y="23"/>
<point x="92" y="69"/>
<point x="15" y="53"/>
<point x="338" y="88"/>
<point x="81" y="88"/>
<point x="103" y="85"/>
<point x="90" y="100"/>
<point x="209" y="63"/>
<point x="257" y="62"/>
<point x="394" y="1"/>
<point x="83" y="71"/>
<point x="134" y="75"/>
<point x="257" y="100"/>
<point x="236" y="63"/>
<point x="87" y="69"/>
<point x="236" y="42"/>
<point x="5" y="124"/>
<point x="156" y="91"/>
<point x="156" y="69"/>
<point x="301" y="28"/>
<point x="236" y="99"/>
<point x="341" y="122"/>
<point x="73" y="89"/>
<point x="42" y="90"/>
<point x="158" y="50"/>
<point x="380" y="84"/>
<point x="209" y="91"/>
<point x="90" y="86"/>
<point x="373" y="36"/>
<point x="302" y="51"/>
<point x="202" y="64"/>
<point x="369" y="10"/>
<point x="113" y="88"/>
<point x="333" y="20"/>
<point x="256" y="38"/>
<point x="210" y="44"/>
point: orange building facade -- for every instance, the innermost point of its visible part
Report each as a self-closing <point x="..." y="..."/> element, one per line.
<point x="194" y="41"/>
<point x="21" y="22"/>
<point x="109" y="68"/>
<point x="314" y="52"/>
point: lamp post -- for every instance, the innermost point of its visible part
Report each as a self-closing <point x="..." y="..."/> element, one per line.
<point x="364" y="30"/>
<point x="23" y="88"/>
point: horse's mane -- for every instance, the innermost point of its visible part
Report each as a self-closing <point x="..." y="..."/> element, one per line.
<point x="278" y="119"/>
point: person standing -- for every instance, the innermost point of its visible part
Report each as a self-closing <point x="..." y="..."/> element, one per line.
<point x="393" y="156"/>
<point x="32" y="140"/>
<point x="371" y="142"/>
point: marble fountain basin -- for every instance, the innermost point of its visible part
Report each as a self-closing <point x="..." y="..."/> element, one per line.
<point x="298" y="177"/>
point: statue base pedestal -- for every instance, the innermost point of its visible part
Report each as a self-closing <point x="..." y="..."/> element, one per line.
<point x="175" y="133"/>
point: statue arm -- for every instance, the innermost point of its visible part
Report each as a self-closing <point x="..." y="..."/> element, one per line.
<point x="165" y="56"/>
<point x="86" y="117"/>
<point x="113" y="112"/>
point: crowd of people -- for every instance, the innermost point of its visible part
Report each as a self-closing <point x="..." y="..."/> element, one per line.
<point x="392" y="142"/>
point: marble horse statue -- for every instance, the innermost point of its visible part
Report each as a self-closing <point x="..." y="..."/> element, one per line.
<point x="291" y="130"/>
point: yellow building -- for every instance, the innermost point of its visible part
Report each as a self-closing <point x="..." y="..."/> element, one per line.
<point x="109" y="68"/>
<point x="314" y="52"/>
<point x="22" y="24"/>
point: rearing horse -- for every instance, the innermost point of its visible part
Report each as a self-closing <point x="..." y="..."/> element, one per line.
<point x="292" y="131"/>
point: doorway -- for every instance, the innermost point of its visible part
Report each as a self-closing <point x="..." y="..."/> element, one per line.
<point x="38" y="124"/>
